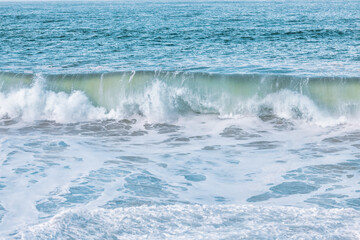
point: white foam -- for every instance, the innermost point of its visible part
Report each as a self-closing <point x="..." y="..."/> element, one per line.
<point x="36" y="103"/>
<point x="199" y="222"/>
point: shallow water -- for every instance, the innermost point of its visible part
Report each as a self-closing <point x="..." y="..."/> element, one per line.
<point x="205" y="120"/>
<point x="201" y="168"/>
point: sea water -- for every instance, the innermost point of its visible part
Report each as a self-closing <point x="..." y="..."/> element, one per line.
<point x="180" y="120"/>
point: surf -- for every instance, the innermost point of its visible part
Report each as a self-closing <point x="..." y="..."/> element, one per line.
<point x="166" y="95"/>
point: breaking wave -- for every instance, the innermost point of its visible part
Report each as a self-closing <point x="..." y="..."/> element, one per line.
<point x="164" y="96"/>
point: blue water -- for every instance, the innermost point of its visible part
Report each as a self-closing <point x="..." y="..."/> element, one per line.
<point x="180" y="120"/>
<point x="293" y="37"/>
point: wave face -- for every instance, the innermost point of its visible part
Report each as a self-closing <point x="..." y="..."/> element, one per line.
<point x="164" y="95"/>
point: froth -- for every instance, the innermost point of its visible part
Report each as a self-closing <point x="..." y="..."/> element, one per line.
<point x="37" y="103"/>
<point x="199" y="222"/>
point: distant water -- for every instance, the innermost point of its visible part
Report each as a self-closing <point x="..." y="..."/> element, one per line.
<point x="180" y="120"/>
<point x="271" y="37"/>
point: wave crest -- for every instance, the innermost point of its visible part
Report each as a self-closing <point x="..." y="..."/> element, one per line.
<point x="164" y="96"/>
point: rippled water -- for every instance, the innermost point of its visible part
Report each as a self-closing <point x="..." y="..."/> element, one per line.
<point x="180" y="120"/>
<point x="295" y="37"/>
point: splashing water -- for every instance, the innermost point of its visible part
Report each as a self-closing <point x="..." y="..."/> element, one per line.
<point x="201" y="120"/>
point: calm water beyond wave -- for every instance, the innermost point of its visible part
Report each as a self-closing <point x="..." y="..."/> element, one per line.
<point x="180" y="120"/>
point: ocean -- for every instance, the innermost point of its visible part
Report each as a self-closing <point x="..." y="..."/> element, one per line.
<point x="180" y="120"/>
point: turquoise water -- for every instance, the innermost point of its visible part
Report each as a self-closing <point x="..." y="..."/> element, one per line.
<point x="180" y="120"/>
<point x="293" y="37"/>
